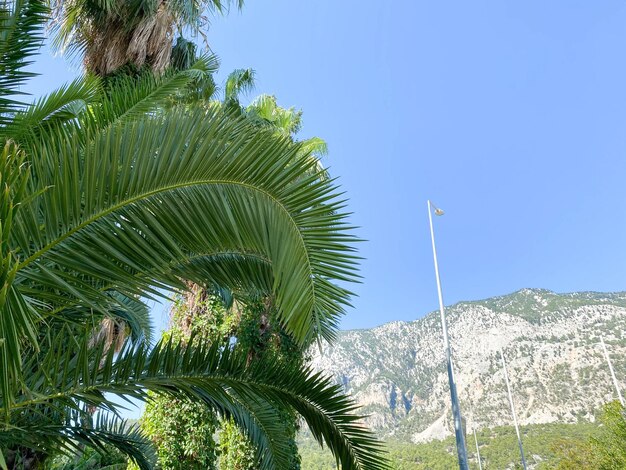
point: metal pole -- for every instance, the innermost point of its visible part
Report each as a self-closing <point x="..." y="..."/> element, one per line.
<point x="608" y="361"/>
<point x="480" y="463"/>
<point x="508" y="387"/>
<point x="456" y="408"/>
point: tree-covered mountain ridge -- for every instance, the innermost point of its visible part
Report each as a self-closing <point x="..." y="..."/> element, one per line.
<point x="551" y="343"/>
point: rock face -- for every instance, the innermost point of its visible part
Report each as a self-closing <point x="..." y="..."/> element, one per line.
<point x="550" y="341"/>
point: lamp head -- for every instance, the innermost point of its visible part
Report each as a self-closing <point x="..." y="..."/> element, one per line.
<point x="435" y="208"/>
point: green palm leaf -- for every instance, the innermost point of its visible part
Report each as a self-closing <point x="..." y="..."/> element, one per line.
<point x="65" y="104"/>
<point x="20" y="38"/>
<point x="234" y="190"/>
<point x="53" y="431"/>
<point x="239" y="81"/>
<point x="121" y="207"/>
<point x="133" y="97"/>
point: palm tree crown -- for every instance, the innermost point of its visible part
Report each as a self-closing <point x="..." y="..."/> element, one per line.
<point x="114" y="33"/>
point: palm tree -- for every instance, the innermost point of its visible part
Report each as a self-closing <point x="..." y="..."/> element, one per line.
<point x="111" y="197"/>
<point x="265" y="111"/>
<point x="114" y="33"/>
<point x="251" y="326"/>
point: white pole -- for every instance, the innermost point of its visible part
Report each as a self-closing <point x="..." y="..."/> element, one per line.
<point x="615" y="383"/>
<point x="508" y="387"/>
<point x="480" y="463"/>
<point x="444" y="326"/>
<point x="456" y="408"/>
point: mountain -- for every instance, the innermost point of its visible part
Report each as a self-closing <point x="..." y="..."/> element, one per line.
<point x="550" y="341"/>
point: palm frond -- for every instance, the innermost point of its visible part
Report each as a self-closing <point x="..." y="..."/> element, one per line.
<point x="128" y="98"/>
<point x="265" y="111"/>
<point x="57" y="108"/>
<point x="17" y="315"/>
<point x="315" y="146"/>
<point x="125" y="98"/>
<point x="21" y="24"/>
<point x="202" y="88"/>
<point x="69" y="25"/>
<point x="214" y="375"/>
<point x="238" y="82"/>
<point x="217" y="186"/>
<point x="53" y="431"/>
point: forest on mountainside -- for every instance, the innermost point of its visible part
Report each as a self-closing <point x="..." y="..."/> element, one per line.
<point x="498" y="449"/>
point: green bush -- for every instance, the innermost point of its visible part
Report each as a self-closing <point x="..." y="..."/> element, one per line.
<point x="188" y="436"/>
<point x="182" y="432"/>
<point x="605" y="449"/>
<point x="89" y="460"/>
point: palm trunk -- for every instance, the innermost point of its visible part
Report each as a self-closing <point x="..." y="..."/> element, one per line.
<point x="149" y="44"/>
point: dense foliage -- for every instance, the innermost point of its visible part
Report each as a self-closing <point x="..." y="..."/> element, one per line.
<point x="89" y="459"/>
<point x="605" y="449"/>
<point x="183" y="432"/>
<point x="498" y="449"/>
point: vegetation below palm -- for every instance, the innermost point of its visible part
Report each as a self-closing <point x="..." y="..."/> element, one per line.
<point x="187" y="435"/>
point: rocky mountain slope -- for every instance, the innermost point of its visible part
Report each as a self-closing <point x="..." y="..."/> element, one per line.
<point x="556" y="367"/>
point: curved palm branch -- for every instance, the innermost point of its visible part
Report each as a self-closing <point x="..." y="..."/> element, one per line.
<point x="144" y="194"/>
<point x="134" y="97"/>
<point x="88" y="102"/>
<point x="52" y="431"/>
<point x="118" y="207"/>
<point x="214" y="375"/>
<point x="59" y="113"/>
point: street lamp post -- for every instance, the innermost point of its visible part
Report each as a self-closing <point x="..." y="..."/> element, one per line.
<point x="508" y="389"/>
<point x="480" y="462"/>
<point x="615" y="383"/>
<point x="478" y="459"/>
<point x="456" y="408"/>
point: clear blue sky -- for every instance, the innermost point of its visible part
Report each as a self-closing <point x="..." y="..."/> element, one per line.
<point x="509" y="115"/>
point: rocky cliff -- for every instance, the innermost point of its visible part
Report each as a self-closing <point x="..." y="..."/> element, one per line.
<point x="550" y="341"/>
